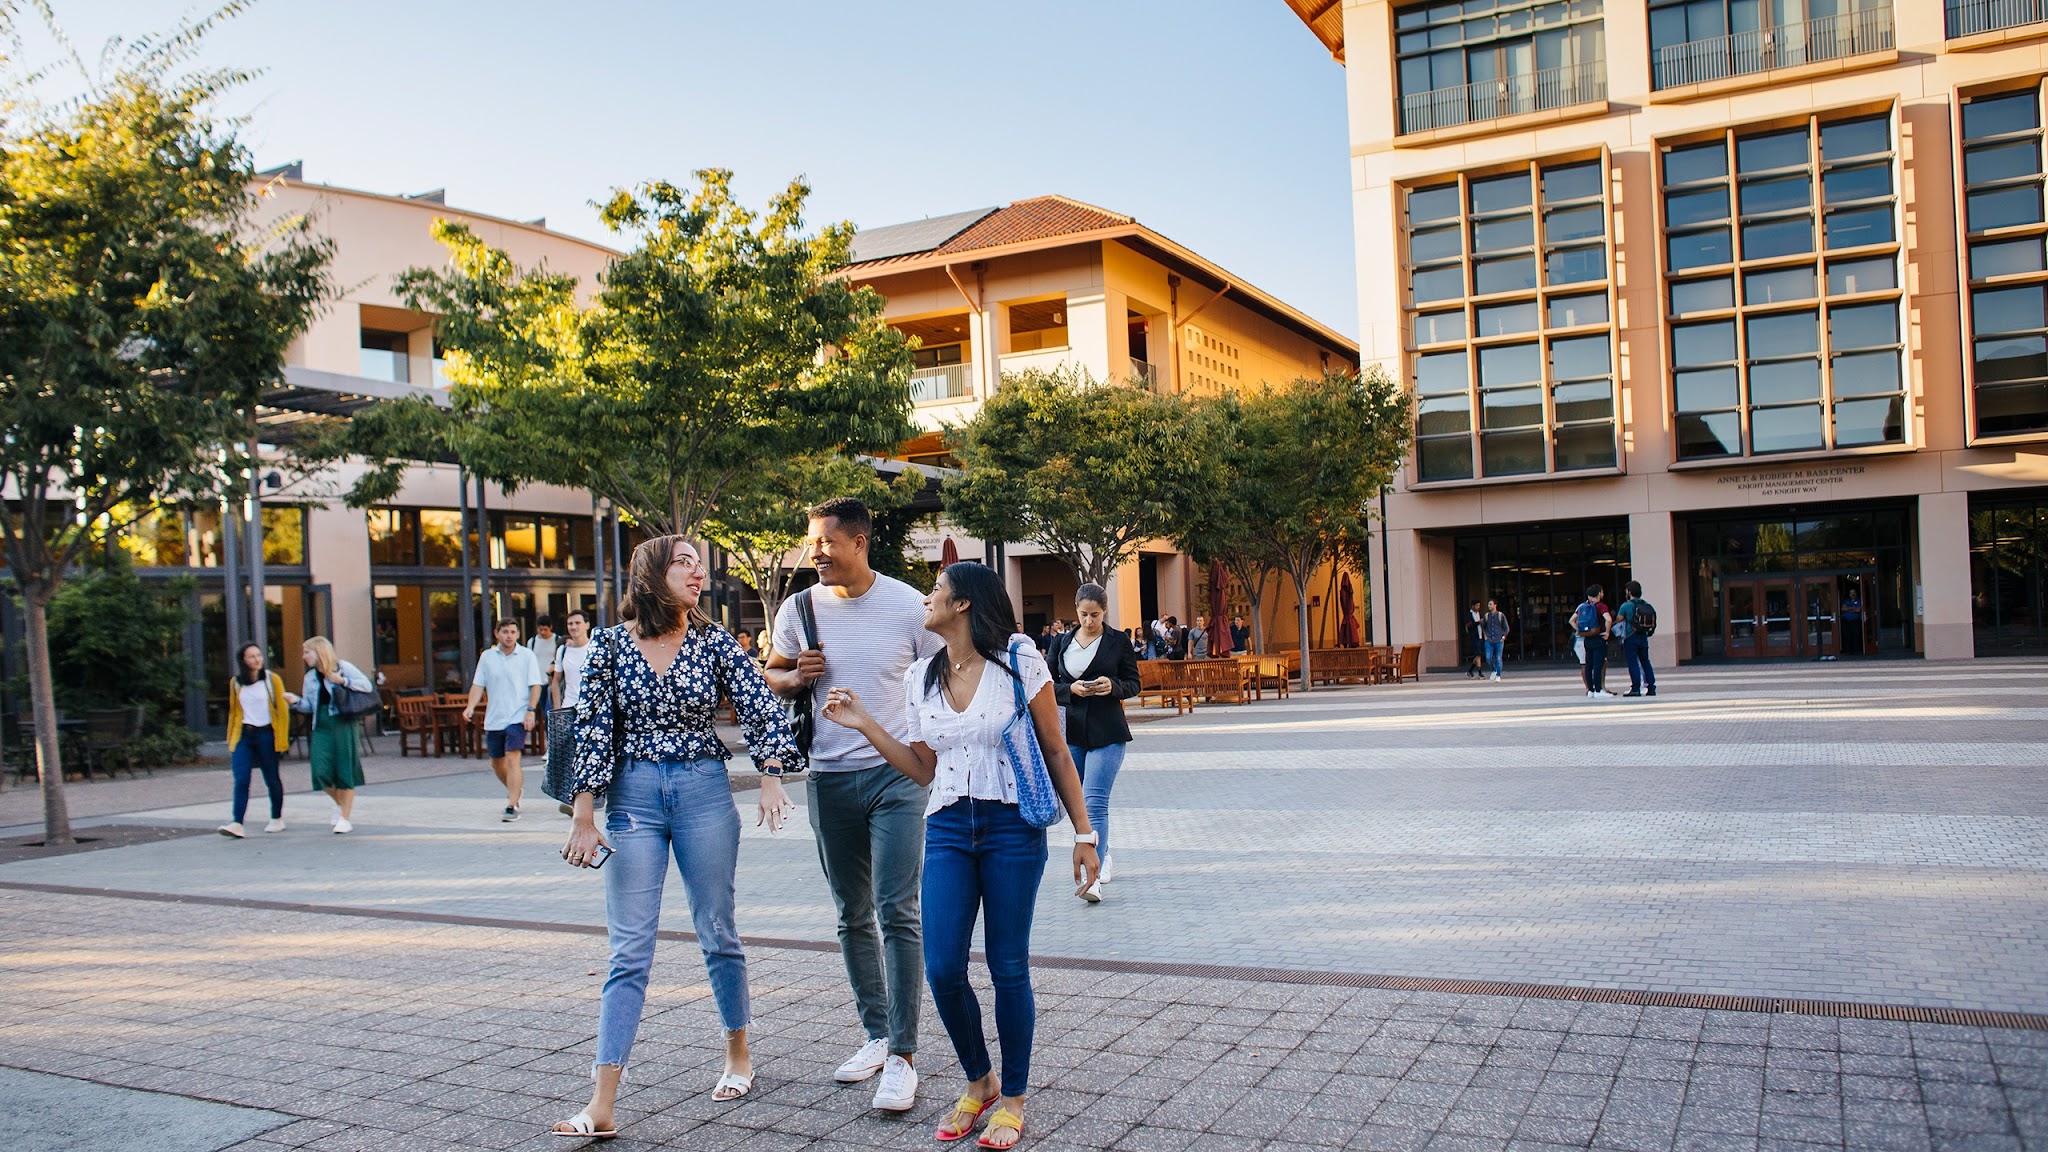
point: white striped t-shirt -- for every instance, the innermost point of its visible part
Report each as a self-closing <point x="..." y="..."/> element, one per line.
<point x="869" y="641"/>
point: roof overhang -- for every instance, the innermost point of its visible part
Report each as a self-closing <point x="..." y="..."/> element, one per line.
<point x="1325" y="18"/>
<point x="1182" y="261"/>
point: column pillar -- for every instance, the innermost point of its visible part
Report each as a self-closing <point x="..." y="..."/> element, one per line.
<point x="1126" y="596"/>
<point x="1013" y="583"/>
<point x="1653" y="563"/>
<point x="1941" y="577"/>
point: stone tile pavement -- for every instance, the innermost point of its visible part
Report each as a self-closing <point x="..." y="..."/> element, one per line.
<point x="388" y="1035"/>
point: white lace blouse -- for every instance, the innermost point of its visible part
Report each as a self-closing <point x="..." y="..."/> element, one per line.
<point x="969" y="744"/>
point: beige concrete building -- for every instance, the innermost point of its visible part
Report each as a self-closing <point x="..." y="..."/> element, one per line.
<point x="1051" y="281"/>
<point x="1742" y="299"/>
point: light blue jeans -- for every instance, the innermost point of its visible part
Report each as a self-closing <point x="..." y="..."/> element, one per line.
<point x="1098" y="768"/>
<point x="656" y="808"/>
<point x="1493" y="648"/>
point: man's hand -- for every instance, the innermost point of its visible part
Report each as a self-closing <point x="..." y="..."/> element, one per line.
<point x="810" y="666"/>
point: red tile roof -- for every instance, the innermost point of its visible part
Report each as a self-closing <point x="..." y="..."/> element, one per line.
<point x="1039" y="218"/>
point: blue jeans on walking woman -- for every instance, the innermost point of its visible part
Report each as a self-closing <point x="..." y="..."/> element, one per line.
<point x="257" y="749"/>
<point x="1493" y="648"/>
<point x="980" y="856"/>
<point x="653" y="809"/>
<point x="1098" y="768"/>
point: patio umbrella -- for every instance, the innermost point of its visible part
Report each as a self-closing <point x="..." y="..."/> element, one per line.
<point x="1348" y="630"/>
<point x="949" y="553"/>
<point x="1219" y="624"/>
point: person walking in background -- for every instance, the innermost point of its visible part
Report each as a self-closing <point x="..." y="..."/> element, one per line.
<point x="666" y="793"/>
<point x="1637" y="623"/>
<point x="331" y="748"/>
<point x="1473" y="635"/>
<point x="868" y="818"/>
<point x="1240" y="635"/>
<point x="1174" y="640"/>
<point x="544" y="645"/>
<point x="1094" y="670"/>
<point x="509" y="681"/>
<point x="1591" y="621"/>
<point x="259" y="730"/>
<point x="567" y="674"/>
<point x="1494" y="633"/>
<point x="1198" y="639"/>
<point x="1852" y="622"/>
<point x="981" y="858"/>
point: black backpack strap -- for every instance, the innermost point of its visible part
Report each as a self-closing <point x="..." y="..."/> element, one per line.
<point x="807" y="619"/>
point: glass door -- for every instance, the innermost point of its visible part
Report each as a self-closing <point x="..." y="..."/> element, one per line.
<point x="1821" y="636"/>
<point x="1775" y="618"/>
<point x="1741" y="623"/>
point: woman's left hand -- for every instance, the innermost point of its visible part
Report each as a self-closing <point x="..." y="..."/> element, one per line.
<point x="775" y="804"/>
<point x="1087" y="866"/>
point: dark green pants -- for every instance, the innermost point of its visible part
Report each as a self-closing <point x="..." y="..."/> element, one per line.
<point x="870" y="831"/>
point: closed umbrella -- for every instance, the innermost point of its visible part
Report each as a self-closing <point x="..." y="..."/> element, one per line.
<point x="1349" y="633"/>
<point x="1219" y="625"/>
<point x="949" y="553"/>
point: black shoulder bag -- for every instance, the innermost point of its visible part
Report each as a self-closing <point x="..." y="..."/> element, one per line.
<point x="803" y="721"/>
<point x="559" y="782"/>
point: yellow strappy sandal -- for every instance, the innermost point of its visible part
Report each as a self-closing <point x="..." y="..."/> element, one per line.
<point x="969" y="1107"/>
<point x="1002" y="1118"/>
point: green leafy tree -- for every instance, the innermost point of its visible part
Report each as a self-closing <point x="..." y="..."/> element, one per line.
<point x="1307" y="457"/>
<point x="145" y="302"/>
<point x="719" y="343"/>
<point x="761" y="518"/>
<point x="1216" y="524"/>
<point x="104" y="617"/>
<point x="1086" y="471"/>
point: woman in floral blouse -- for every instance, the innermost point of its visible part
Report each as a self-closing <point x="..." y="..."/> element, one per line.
<point x="666" y="792"/>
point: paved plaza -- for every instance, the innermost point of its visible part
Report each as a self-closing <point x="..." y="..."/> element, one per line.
<point x="1785" y="907"/>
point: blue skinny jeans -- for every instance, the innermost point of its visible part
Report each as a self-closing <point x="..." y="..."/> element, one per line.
<point x="1098" y="768"/>
<point x="979" y="855"/>
<point x="257" y="748"/>
<point x="1493" y="648"/>
<point x="653" y="809"/>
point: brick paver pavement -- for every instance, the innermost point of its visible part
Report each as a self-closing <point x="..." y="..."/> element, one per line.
<point x="384" y="1036"/>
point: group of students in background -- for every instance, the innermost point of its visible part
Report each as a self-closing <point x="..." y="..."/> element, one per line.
<point x="1593" y="624"/>
<point x="1164" y="639"/>
<point x="259" y="731"/>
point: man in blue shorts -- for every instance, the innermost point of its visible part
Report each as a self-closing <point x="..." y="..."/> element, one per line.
<point x="510" y="679"/>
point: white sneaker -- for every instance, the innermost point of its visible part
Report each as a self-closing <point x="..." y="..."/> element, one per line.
<point x="1496" y="677"/>
<point x="232" y="828"/>
<point x="1590" y="694"/>
<point x="898" y="1092"/>
<point x="1103" y="877"/>
<point x="864" y="1063"/>
<point x="341" y="825"/>
<point x="274" y="826"/>
<point x="1093" y="893"/>
<point x="334" y="818"/>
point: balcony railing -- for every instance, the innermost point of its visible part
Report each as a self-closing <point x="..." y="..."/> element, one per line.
<point x="1143" y="373"/>
<point x="1768" y="49"/>
<point x="1969" y="17"/>
<point x="946" y="382"/>
<point x="1508" y="96"/>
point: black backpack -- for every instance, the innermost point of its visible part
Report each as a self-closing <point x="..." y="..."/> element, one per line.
<point x="1645" y="622"/>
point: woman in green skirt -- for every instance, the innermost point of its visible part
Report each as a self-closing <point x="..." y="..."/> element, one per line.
<point x="337" y="766"/>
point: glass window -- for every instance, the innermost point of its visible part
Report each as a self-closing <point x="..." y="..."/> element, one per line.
<point x="2006" y="258"/>
<point x="1848" y="139"/>
<point x="1779" y="285"/>
<point x="1512" y="364"/>
<point x="1585" y="446"/>
<point x="1864" y="373"/>
<point x="1572" y="311"/>
<point x="1711" y="434"/>
<point x="1571" y="182"/>
<point x="1564" y="224"/>
<point x="1457" y="63"/>
<point x="1850" y="277"/>
<point x="1696" y="163"/>
<point x="1784" y="382"/>
<point x="1513" y="453"/>
<point x="1859" y="227"/>
<point x="440" y="537"/>
<point x="1760" y="196"/>
<point x="1771" y="151"/>
<point x="2007" y="310"/>
<point x="1444" y="459"/>
<point x="1575" y="265"/>
<point x="1442" y="415"/>
<point x="1500" y="193"/>
<point x="1702" y="295"/>
<point x="1438" y="327"/>
<point x="284" y="536"/>
<point x="1426" y="205"/>
<point x="1864" y="326"/>
<point x="2007" y="207"/>
<point x="1777" y="238"/>
<point x="394" y="536"/>
<point x="1700" y="249"/>
<point x="1504" y="235"/>
<point x="1441" y="372"/>
<point x="1707" y="390"/>
<point x="1579" y="357"/>
<point x="1507" y="319"/>
<point x="1511" y="408"/>
<point x="1583" y="400"/>
<point x="1683" y="209"/>
<point x="156" y="539"/>
<point x="2002" y="154"/>
<point x="1515" y="274"/>
<point x="1988" y="163"/>
<point x="1433" y="284"/>
<point x="2000" y="115"/>
<point x="1863" y="182"/>
<point x="1698" y="344"/>
<point x="1786" y="429"/>
<point x="1427" y="246"/>
<point x="1786" y="334"/>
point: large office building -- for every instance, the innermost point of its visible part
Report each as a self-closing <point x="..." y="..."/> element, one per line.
<point x="1746" y="301"/>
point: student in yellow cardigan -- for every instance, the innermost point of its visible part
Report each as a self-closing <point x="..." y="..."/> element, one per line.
<point x="259" y="729"/>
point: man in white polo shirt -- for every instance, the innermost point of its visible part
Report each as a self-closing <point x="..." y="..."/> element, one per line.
<point x="510" y="674"/>
<point x="868" y="817"/>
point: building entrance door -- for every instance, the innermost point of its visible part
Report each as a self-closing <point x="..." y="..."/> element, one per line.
<point x="1783" y="616"/>
<point x="1740" y="621"/>
<point x="1776" y="616"/>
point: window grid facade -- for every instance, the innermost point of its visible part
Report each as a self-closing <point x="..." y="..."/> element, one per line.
<point x="1511" y="311"/>
<point x="1459" y="61"/>
<point x="1781" y="262"/>
<point x="2005" y="268"/>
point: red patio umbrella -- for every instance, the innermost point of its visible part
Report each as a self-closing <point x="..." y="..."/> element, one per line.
<point x="949" y="553"/>
<point x="1349" y="633"/>
<point x="1219" y="624"/>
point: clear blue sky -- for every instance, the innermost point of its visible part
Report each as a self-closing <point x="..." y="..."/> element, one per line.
<point x="1219" y="123"/>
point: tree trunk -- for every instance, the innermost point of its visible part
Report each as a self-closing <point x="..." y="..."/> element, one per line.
<point x="43" y="700"/>
<point x="1301" y="608"/>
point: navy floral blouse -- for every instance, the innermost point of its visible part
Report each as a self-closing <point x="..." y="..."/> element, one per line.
<point x="668" y="716"/>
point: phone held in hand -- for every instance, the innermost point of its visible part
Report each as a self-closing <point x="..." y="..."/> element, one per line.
<point x="599" y="855"/>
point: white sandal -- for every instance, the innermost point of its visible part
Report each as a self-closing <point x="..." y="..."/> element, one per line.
<point x="582" y="1127"/>
<point x="734" y="1083"/>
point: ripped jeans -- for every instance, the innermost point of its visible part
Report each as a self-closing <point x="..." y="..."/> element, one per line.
<point x="654" y="809"/>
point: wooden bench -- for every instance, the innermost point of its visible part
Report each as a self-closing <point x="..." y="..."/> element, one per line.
<point x="1341" y="665"/>
<point x="1164" y="681"/>
<point x="1217" y="681"/>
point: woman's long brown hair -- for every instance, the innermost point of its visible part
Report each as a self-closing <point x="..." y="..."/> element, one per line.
<point x="653" y="609"/>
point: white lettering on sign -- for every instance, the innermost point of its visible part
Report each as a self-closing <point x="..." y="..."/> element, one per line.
<point x="1791" y="481"/>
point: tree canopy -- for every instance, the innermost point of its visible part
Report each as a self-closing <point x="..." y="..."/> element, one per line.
<point x="145" y="302"/>
<point x="1086" y="471"/>
<point x="719" y="341"/>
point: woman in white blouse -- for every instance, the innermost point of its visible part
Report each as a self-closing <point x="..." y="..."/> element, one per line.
<point x="979" y="854"/>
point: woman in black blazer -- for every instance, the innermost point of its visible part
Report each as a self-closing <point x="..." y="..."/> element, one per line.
<point x="1094" y="670"/>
